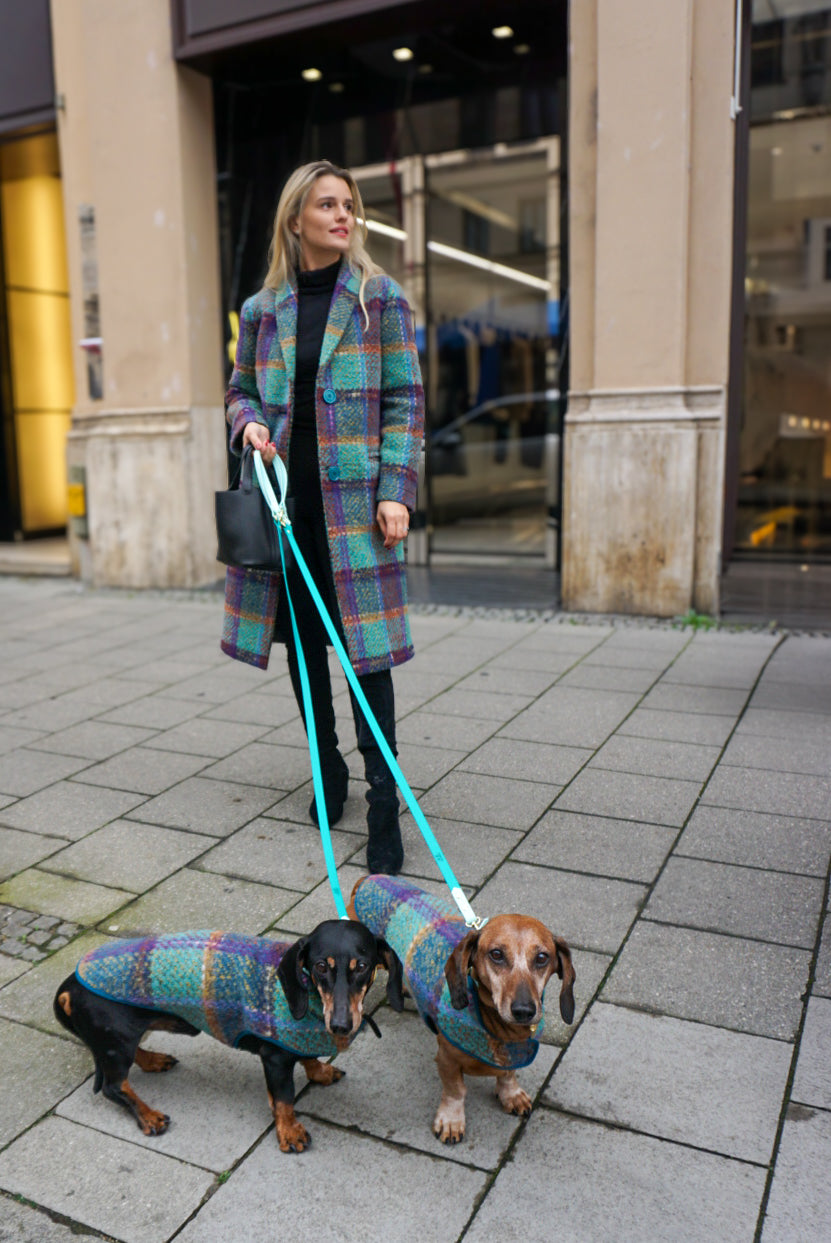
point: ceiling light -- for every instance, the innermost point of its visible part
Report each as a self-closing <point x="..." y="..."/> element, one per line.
<point x="776" y="150"/>
<point x="311" y="75"/>
<point x="425" y="69"/>
<point x="522" y="49"/>
<point x="403" y="53"/>
<point x="337" y="88"/>
<point x="502" y="32"/>
<point x="387" y="230"/>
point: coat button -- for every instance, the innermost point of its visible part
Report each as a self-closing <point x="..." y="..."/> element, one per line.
<point x="334" y="474"/>
<point x="330" y="396"/>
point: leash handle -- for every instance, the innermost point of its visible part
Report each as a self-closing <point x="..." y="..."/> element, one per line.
<point x="280" y="516"/>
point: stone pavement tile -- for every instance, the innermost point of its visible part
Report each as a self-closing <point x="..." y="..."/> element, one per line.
<point x="203" y="806"/>
<point x="219" y="685"/>
<point x="822" y="978"/>
<point x="474" y="851"/>
<point x="307" y="912"/>
<point x="69" y="809"/>
<point x="795" y="726"/>
<point x="211" y="1081"/>
<point x="28" y="999"/>
<point x="107" y="693"/>
<point x="22" y="694"/>
<point x="724" y="981"/>
<point x="128" y="855"/>
<point x="280" y="1196"/>
<point x="650" y="638"/>
<point x="93" y="740"/>
<point x="433" y="729"/>
<point x="698" y="1085"/>
<point x="712" y="700"/>
<point x="267" y="765"/>
<point x="788" y="794"/>
<point x="656" y="758"/>
<point x="571" y="716"/>
<point x="769" y="906"/>
<point x="11" y="968"/>
<point x="589" y="911"/>
<point x="598" y="845"/>
<point x="216" y="739"/>
<point x="630" y="796"/>
<point x="502" y="681"/>
<point x="642" y="658"/>
<point x="811" y="1084"/>
<point x="458" y="655"/>
<point x="24" y="1224"/>
<point x="527" y="761"/>
<point x="482" y="705"/>
<point x="275" y="852"/>
<point x="722" y="670"/>
<point x="38" y="1071"/>
<point x="590" y="969"/>
<point x="25" y="771"/>
<point x="153" y="712"/>
<point x="270" y="706"/>
<point x="570" y="637"/>
<point x="143" y="770"/>
<point x="489" y="800"/>
<point x="48" y="894"/>
<point x="689" y="727"/>
<point x="613" y="1184"/>
<point x="778" y="843"/>
<point x="799" y="1207"/>
<point x="20" y="850"/>
<point x="609" y="678"/>
<point x="11" y="739"/>
<point x="294" y="807"/>
<point x="534" y="660"/>
<point x="399" y="1105"/>
<point x="165" y="668"/>
<point x="193" y="899"/>
<point x="119" y="1188"/>
<point x="791" y="756"/>
<point x="424" y="766"/>
<point x="793" y="696"/>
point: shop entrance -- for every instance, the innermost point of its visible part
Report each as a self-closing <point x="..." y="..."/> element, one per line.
<point x="474" y="239"/>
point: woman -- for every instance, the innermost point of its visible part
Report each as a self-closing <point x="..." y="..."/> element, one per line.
<point x="327" y="376"/>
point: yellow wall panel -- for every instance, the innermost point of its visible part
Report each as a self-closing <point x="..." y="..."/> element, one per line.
<point x="41" y="464"/>
<point x="40" y="337"/>
<point x="34" y="243"/>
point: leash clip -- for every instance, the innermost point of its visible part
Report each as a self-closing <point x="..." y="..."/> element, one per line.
<point x="471" y="919"/>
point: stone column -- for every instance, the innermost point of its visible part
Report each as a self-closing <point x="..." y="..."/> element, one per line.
<point x="651" y="184"/>
<point x="137" y="154"/>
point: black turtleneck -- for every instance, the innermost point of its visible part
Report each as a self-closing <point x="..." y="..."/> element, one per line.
<point x="314" y="295"/>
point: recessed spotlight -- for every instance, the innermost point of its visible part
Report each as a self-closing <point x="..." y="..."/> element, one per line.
<point x="502" y="32"/>
<point x="403" y="53"/>
<point x="776" y="150"/>
<point x="425" y="69"/>
<point x="337" y="88"/>
<point x="311" y="75"/>
<point x="522" y="49"/>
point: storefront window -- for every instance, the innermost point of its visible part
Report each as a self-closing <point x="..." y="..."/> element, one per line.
<point x="785" y="447"/>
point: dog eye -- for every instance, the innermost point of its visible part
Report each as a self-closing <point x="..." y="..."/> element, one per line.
<point x="360" y="965"/>
<point x="542" y="959"/>
<point x="321" y="967"/>
<point x="496" y="955"/>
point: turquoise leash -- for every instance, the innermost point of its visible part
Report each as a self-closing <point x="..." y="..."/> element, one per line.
<point x="283" y="524"/>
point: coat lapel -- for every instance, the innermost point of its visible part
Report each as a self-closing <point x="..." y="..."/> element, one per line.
<point x="285" y="338"/>
<point x="340" y="312"/>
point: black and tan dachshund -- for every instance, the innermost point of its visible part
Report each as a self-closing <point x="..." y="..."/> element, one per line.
<point x="286" y="1003"/>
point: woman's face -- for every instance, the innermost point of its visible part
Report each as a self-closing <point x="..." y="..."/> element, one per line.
<point x="325" y="223"/>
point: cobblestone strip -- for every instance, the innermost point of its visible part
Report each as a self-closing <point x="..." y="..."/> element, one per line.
<point x="30" y="936"/>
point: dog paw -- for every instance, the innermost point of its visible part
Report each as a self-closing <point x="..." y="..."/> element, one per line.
<point x="449" y="1132"/>
<point x="323" y="1073"/>
<point x="293" y="1138"/>
<point x="153" y="1122"/>
<point x="519" y="1103"/>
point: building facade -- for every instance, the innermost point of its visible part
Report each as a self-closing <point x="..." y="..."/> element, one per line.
<point x="613" y="222"/>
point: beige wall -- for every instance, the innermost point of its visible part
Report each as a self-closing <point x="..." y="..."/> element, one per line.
<point x="651" y="169"/>
<point x="136" y="136"/>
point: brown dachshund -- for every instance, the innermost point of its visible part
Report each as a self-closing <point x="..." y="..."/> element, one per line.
<point x="509" y="963"/>
<point x="486" y="1018"/>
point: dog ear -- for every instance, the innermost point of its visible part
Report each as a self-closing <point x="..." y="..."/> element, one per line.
<point x="568" y="975"/>
<point x="456" y="969"/>
<point x="395" y="973"/>
<point x="292" y="976"/>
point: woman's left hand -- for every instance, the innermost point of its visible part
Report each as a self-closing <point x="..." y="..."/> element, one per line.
<point x="394" y="520"/>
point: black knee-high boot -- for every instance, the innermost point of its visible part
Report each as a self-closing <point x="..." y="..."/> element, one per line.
<point x="333" y="766"/>
<point x="385" y="850"/>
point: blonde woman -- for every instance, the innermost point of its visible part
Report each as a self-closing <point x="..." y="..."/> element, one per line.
<point x="327" y="376"/>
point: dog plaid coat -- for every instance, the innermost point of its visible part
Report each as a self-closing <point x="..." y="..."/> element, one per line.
<point x="224" y="984"/>
<point x="370" y="418"/>
<point x="424" y="930"/>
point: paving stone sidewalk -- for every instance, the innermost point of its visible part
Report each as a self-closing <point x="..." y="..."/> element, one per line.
<point x="659" y="796"/>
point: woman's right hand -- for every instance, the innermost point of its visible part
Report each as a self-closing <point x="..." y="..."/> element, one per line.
<point x="256" y="435"/>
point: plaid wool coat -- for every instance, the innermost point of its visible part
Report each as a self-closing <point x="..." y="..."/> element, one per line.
<point x="370" y="421"/>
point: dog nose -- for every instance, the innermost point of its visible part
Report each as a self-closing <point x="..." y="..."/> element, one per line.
<point x="340" y="1028"/>
<point x="523" y="1011"/>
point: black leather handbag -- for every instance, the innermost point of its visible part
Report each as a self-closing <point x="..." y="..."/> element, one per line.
<point x="245" y="530"/>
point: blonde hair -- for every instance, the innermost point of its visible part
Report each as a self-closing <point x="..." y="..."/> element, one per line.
<point x="284" y="253"/>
